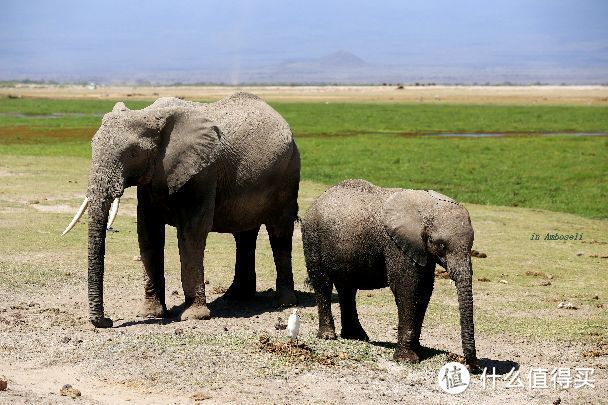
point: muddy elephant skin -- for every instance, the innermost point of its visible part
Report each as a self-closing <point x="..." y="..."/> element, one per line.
<point x="358" y="236"/>
<point x="228" y="166"/>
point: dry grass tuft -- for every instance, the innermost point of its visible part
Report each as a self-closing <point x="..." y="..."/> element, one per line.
<point x="539" y="274"/>
<point x="200" y="396"/>
<point x="219" y="289"/>
<point x="478" y="254"/>
<point x="455" y="357"/>
<point x="298" y="352"/>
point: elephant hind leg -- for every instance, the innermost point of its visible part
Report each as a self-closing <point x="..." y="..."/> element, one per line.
<point x="351" y="327"/>
<point x="243" y="286"/>
<point x="281" y="243"/>
<point x="322" y="286"/>
<point x="191" y="243"/>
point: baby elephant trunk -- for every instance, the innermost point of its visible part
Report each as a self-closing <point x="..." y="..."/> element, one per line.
<point x="462" y="275"/>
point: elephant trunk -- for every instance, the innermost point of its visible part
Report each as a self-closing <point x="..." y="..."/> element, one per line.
<point x="98" y="218"/>
<point x="105" y="184"/>
<point x="462" y="276"/>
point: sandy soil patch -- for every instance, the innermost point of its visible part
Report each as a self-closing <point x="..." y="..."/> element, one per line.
<point x="46" y="342"/>
<point x="420" y="94"/>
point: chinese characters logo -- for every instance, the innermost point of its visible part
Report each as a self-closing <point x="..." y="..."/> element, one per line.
<point x="453" y="378"/>
<point x="541" y="378"/>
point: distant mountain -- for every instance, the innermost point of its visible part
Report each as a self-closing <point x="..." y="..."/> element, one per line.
<point x="341" y="67"/>
<point x="342" y="59"/>
<point x="337" y="67"/>
<point x="344" y="67"/>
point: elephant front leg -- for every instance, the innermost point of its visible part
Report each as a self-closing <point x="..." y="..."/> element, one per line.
<point x="427" y="282"/>
<point x="243" y="285"/>
<point x="407" y="295"/>
<point x="191" y="243"/>
<point x="151" y="237"/>
<point x="281" y="244"/>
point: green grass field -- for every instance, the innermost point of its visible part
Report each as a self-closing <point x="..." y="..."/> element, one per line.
<point x="310" y="118"/>
<point x="338" y="141"/>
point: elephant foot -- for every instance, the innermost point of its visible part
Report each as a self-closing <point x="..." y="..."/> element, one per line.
<point x="101" y="322"/>
<point x="416" y="346"/>
<point x="326" y="334"/>
<point x="354" y="334"/>
<point x="152" y="308"/>
<point x="196" y="312"/>
<point x="407" y="355"/>
<point x="237" y="292"/>
<point x="285" y="297"/>
<point x="472" y="365"/>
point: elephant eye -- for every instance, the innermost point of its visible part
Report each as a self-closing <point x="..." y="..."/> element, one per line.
<point x="132" y="152"/>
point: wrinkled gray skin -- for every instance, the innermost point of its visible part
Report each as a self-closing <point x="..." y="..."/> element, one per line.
<point x="228" y="166"/>
<point x="358" y="236"/>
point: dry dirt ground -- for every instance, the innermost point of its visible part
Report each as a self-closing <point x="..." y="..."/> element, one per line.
<point x="47" y="342"/>
<point x="584" y="95"/>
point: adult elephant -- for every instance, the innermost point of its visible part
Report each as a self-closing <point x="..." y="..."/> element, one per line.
<point x="359" y="236"/>
<point x="228" y="166"/>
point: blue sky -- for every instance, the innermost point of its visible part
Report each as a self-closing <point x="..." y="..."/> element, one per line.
<point x="76" y="36"/>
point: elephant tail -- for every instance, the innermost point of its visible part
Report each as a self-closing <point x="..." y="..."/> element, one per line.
<point x="313" y="255"/>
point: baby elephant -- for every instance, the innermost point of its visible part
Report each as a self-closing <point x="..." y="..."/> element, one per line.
<point x="359" y="236"/>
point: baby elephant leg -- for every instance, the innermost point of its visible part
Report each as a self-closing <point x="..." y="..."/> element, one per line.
<point x="427" y="281"/>
<point x="351" y="328"/>
<point x="405" y="288"/>
<point x="323" y="286"/>
<point x="318" y="276"/>
<point x="327" y="329"/>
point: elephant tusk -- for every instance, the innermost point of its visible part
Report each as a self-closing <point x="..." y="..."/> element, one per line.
<point x="113" y="212"/>
<point x="83" y="207"/>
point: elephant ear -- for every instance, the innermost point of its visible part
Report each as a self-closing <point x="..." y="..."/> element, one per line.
<point x="441" y="197"/>
<point x="404" y="224"/>
<point x="120" y="107"/>
<point x="189" y="141"/>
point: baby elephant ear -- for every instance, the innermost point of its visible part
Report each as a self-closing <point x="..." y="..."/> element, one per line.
<point x="441" y="197"/>
<point x="403" y="223"/>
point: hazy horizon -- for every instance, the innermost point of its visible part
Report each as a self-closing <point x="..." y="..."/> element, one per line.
<point x="346" y="42"/>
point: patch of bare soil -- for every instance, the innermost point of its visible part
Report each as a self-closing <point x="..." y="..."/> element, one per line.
<point x="423" y="94"/>
<point x="46" y="342"/>
<point x="57" y="209"/>
<point x="599" y="352"/>
<point x="6" y="173"/>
